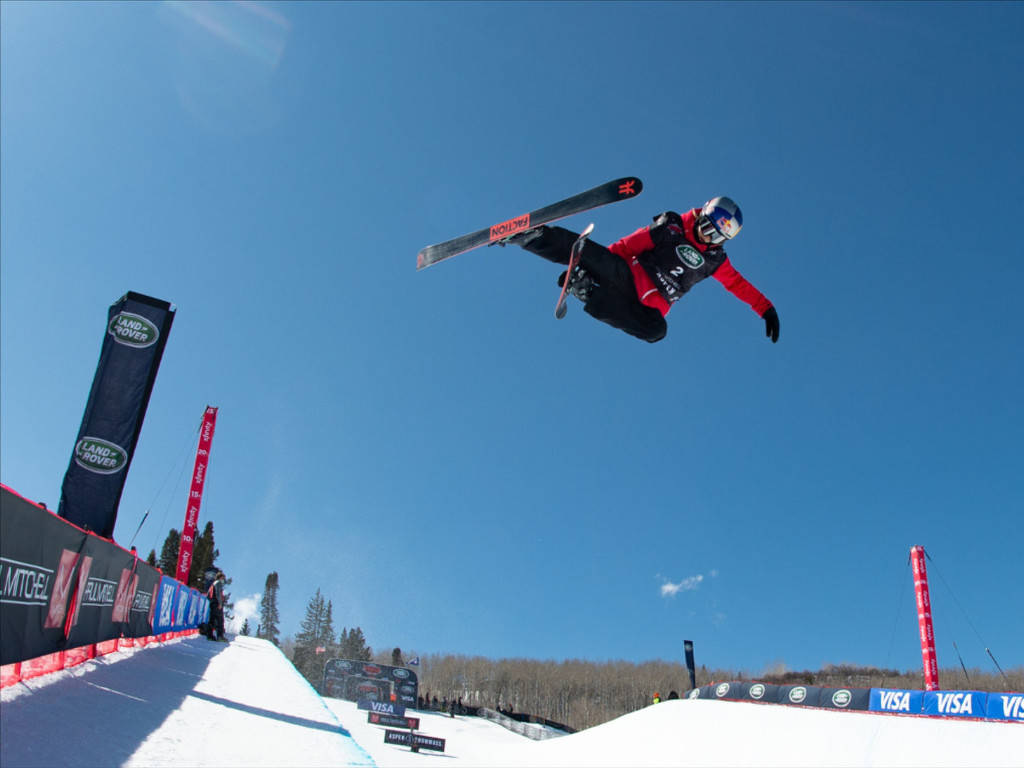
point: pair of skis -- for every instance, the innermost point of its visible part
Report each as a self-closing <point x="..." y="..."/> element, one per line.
<point x="610" y="192"/>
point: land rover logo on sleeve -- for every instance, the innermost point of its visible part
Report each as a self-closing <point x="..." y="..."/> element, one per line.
<point x="690" y="256"/>
<point x="101" y="456"/>
<point x="842" y="698"/>
<point x="133" y="330"/>
<point x="798" y="694"/>
<point x="757" y="691"/>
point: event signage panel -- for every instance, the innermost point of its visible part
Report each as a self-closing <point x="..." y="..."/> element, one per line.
<point x="1006" y="706"/>
<point x="396" y="722"/>
<point x="893" y="700"/>
<point x="133" y="344"/>
<point x="955" y="703"/>
<point x="414" y="740"/>
<point x="383" y="707"/>
<point x="354" y="680"/>
<point x="63" y="588"/>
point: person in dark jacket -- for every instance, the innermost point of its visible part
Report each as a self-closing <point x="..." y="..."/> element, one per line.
<point x="215" y="594"/>
<point x="632" y="284"/>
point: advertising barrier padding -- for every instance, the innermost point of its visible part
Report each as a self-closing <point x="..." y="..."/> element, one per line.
<point x="971" y="704"/>
<point x="63" y="588"/>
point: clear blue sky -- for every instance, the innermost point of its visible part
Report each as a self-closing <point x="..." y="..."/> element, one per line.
<point x="455" y="469"/>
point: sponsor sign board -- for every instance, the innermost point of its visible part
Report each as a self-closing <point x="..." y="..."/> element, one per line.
<point x="1006" y="706"/>
<point x="62" y="588"/>
<point x="378" y="718"/>
<point x="383" y="707"/>
<point x="845" y="698"/>
<point x="955" y="703"/>
<point x="354" y="680"/>
<point x="896" y="700"/>
<point x="133" y="345"/>
<point x="414" y="740"/>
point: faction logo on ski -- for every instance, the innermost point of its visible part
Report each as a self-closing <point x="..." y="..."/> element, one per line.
<point x="510" y="227"/>
<point x="690" y="256"/>
<point x="100" y="456"/>
<point x="628" y="188"/>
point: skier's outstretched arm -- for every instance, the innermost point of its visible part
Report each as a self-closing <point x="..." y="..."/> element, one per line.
<point x="742" y="289"/>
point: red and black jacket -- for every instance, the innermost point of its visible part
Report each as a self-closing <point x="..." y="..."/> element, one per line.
<point x="667" y="260"/>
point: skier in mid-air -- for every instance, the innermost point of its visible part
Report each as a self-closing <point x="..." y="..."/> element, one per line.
<point x="632" y="284"/>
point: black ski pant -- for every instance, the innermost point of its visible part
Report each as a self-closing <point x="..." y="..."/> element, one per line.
<point x="613" y="299"/>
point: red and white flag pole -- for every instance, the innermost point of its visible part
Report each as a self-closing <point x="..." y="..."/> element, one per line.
<point x="924" y="619"/>
<point x="195" y="495"/>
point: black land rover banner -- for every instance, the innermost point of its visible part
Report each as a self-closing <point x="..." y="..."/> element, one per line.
<point x="800" y="695"/>
<point x="62" y="588"/>
<point x="133" y="344"/>
<point x="354" y="680"/>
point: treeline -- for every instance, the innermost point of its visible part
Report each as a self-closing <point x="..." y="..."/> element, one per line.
<point x="580" y="694"/>
<point x="583" y="694"/>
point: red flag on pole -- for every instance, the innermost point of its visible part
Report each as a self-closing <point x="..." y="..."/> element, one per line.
<point x="924" y="620"/>
<point x="195" y="494"/>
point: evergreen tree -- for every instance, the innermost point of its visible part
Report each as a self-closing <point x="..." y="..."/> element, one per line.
<point x="204" y="555"/>
<point x="169" y="554"/>
<point x="316" y="633"/>
<point x="269" y="617"/>
<point x="326" y="639"/>
<point x="353" y="645"/>
<point x="151" y="558"/>
<point x="245" y="628"/>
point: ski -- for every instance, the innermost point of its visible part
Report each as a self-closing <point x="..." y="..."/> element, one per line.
<point x="613" y="191"/>
<point x="574" y="260"/>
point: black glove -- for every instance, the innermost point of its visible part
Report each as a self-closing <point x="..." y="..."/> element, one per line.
<point x="771" y="324"/>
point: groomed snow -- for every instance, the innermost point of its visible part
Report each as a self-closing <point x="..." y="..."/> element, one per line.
<point x="198" y="703"/>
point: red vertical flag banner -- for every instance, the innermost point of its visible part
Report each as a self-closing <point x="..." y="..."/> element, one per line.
<point x="195" y="494"/>
<point x="924" y="620"/>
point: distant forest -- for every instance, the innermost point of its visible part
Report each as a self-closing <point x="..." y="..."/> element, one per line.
<point x="582" y="694"/>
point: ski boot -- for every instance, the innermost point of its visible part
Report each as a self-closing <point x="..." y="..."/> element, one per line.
<point x="580" y="285"/>
<point x="521" y="238"/>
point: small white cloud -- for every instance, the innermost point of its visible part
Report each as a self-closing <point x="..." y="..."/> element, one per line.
<point x="690" y="583"/>
<point x="244" y="608"/>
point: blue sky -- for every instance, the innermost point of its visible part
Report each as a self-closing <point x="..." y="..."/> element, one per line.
<point x="455" y="469"/>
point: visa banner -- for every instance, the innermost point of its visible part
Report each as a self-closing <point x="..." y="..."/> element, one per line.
<point x="893" y="700"/>
<point x="955" y="703"/>
<point x="1006" y="706"/>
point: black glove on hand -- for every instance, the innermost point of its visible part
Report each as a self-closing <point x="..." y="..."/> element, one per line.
<point x="771" y="324"/>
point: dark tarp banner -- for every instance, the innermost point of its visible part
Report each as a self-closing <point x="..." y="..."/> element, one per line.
<point x="354" y="680"/>
<point x="690" y="666"/>
<point x="133" y="344"/>
<point x="61" y="587"/>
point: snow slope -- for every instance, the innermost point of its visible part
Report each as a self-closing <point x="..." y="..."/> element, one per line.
<point x="197" y="703"/>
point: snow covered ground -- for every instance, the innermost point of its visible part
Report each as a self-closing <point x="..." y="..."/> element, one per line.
<point x="197" y="703"/>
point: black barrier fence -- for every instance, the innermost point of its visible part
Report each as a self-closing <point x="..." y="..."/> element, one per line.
<point x="62" y="587"/>
<point x="799" y="695"/>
